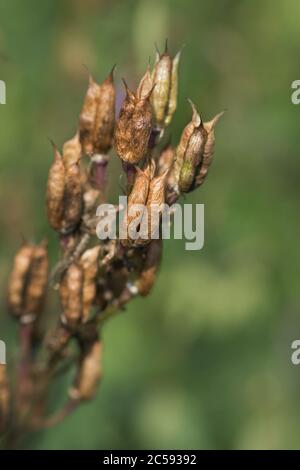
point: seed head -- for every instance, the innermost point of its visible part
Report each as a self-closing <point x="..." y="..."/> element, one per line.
<point x="90" y="372"/>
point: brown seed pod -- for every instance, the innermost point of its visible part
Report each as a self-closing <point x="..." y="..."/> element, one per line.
<point x="87" y="117"/>
<point x="90" y="372"/>
<point x="73" y="202"/>
<point x="208" y="151"/>
<point x="164" y="97"/>
<point x="156" y="199"/>
<point x="18" y="279"/>
<point x="148" y="273"/>
<point x="133" y="127"/>
<point x="105" y="117"/>
<point x="72" y="151"/>
<point x="97" y="117"/>
<point x="90" y="266"/>
<point x="37" y="284"/>
<point x="4" y="396"/>
<point x="193" y="151"/>
<point x="55" y="191"/>
<point x="145" y="84"/>
<point x="138" y="196"/>
<point x="71" y="289"/>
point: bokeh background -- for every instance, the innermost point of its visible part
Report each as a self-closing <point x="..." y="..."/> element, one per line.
<point x="205" y="361"/>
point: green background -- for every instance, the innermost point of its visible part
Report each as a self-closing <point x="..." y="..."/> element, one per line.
<point x="205" y="360"/>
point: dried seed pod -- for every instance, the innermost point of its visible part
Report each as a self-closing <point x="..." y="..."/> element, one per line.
<point x="55" y="191"/>
<point x="71" y="289"/>
<point x="97" y="117"/>
<point x="145" y="84"/>
<point x="164" y="97"/>
<point x="90" y="372"/>
<point x="4" y="396"/>
<point x="133" y="128"/>
<point x="138" y="195"/>
<point x="72" y="151"/>
<point x="87" y="117"/>
<point x="156" y="199"/>
<point x="208" y="151"/>
<point x="18" y="279"/>
<point x="105" y="116"/>
<point x="89" y="263"/>
<point x="37" y="284"/>
<point x="192" y="151"/>
<point x="73" y="202"/>
<point x="148" y="273"/>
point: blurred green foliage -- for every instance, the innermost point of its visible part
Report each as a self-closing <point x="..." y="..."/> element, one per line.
<point x="204" y="362"/>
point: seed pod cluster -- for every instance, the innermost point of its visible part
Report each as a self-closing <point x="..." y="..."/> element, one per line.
<point x="89" y="373"/>
<point x="164" y="97"/>
<point x="97" y="117"/>
<point x="134" y="126"/>
<point x="64" y="188"/>
<point x="28" y="280"/>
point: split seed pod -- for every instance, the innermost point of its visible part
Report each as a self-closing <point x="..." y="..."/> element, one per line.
<point x="89" y="263"/>
<point x="133" y="128"/>
<point x="148" y="273"/>
<point x="190" y="150"/>
<point x="28" y="280"/>
<point x="89" y="374"/>
<point x="164" y="97"/>
<point x="97" y="117"/>
<point x="71" y="289"/>
<point x="72" y="151"/>
<point x="208" y="154"/>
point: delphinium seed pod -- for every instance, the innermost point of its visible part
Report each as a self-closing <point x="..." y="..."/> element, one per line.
<point x="150" y="266"/>
<point x="156" y="198"/>
<point x="133" y="127"/>
<point x="4" y="396"/>
<point x="55" y="191"/>
<point x="89" y="263"/>
<point x="64" y="188"/>
<point x="71" y="289"/>
<point x="137" y="196"/>
<point x="164" y="97"/>
<point x="145" y="85"/>
<point x="208" y="151"/>
<point x="89" y="373"/>
<point x="190" y="150"/>
<point x="97" y="117"/>
<point x="18" y="279"/>
<point x="37" y="282"/>
<point x="73" y="202"/>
